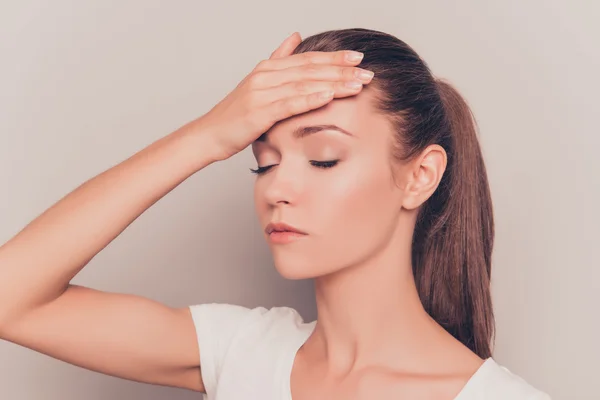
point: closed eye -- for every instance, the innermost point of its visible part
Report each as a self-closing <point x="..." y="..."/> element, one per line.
<point x="318" y="164"/>
<point x="324" y="164"/>
<point x="261" y="170"/>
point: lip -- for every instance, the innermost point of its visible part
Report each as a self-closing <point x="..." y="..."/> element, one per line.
<point x="278" y="227"/>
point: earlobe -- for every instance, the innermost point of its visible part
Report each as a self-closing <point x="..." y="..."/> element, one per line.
<point x="410" y="199"/>
<point x="413" y="193"/>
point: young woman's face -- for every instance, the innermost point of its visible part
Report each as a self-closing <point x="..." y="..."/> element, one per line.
<point x="337" y="188"/>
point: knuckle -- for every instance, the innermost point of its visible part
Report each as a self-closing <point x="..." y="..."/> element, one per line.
<point x="311" y="69"/>
<point x="255" y="80"/>
<point x="300" y="86"/>
<point x="293" y="108"/>
<point x="263" y="65"/>
<point x="313" y="99"/>
<point x="287" y="107"/>
<point x="346" y="73"/>
<point x="278" y="111"/>
<point x="308" y="57"/>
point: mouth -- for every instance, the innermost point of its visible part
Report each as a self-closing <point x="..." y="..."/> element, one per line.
<point x="282" y="227"/>
<point x="283" y="233"/>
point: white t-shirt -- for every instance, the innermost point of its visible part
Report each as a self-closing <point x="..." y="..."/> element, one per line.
<point x="248" y="353"/>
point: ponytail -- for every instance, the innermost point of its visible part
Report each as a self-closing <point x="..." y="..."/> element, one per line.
<point x="454" y="235"/>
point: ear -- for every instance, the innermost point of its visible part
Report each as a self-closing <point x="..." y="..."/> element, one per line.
<point x="424" y="176"/>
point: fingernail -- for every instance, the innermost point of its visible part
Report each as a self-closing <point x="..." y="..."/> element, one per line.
<point x="353" y="84"/>
<point x="354" y="56"/>
<point x="326" y="95"/>
<point x="364" y="74"/>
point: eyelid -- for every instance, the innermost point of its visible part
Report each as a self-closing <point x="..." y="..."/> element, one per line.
<point x="324" y="164"/>
<point x="260" y="170"/>
<point x="315" y="163"/>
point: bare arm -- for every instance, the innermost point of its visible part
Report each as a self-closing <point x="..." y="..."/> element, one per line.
<point x="40" y="310"/>
<point x="129" y="336"/>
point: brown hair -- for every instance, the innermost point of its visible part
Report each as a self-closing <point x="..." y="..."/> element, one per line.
<point x="454" y="233"/>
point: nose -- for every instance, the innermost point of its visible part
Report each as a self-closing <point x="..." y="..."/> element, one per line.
<point x="282" y="185"/>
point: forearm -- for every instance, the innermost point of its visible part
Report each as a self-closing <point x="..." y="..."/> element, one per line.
<point x="38" y="263"/>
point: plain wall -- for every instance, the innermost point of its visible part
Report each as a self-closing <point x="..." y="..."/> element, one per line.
<point x="84" y="85"/>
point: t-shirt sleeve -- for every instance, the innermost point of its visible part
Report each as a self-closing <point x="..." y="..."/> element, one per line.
<point x="217" y="325"/>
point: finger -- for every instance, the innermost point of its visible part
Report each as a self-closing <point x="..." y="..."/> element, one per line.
<point x="289" y="107"/>
<point x="300" y="88"/>
<point x="341" y="57"/>
<point x="287" y="46"/>
<point x="312" y="72"/>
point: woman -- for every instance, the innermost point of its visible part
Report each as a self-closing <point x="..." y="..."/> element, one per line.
<point x="380" y="196"/>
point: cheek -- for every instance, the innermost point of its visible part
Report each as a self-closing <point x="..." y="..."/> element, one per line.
<point x="355" y="212"/>
<point x="362" y="199"/>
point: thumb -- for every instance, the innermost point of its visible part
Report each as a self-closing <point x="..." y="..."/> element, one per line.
<point x="287" y="46"/>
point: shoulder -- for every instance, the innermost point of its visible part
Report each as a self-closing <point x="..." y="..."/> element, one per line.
<point x="494" y="382"/>
<point x="226" y="329"/>
<point x="232" y="319"/>
<point x="240" y="345"/>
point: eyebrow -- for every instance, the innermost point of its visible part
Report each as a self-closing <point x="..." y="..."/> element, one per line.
<point x="303" y="131"/>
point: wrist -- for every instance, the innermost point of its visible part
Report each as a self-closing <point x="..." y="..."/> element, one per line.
<point x="208" y="138"/>
<point x="197" y="144"/>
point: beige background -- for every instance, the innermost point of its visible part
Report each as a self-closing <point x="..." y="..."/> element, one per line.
<point x="84" y="85"/>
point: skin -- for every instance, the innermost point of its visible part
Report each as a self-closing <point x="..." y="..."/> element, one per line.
<point x="349" y="355"/>
<point x="359" y="216"/>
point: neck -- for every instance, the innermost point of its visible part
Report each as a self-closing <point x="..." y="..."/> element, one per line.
<point x="372" y="311"/>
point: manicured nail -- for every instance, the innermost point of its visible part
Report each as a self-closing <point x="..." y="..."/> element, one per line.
<point x="326" y="95"/>
<point x="354" y="56"/>
<point x="353" y="84"/>
<point x="364" y="74"/>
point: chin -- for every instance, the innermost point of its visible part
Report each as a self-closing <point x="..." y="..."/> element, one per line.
<point x="294" y="272"/>
<point x="295" y="267"/>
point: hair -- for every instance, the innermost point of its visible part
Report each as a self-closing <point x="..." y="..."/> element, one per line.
<point x="454" y="233"/>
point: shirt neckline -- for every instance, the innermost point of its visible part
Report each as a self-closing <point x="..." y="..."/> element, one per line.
<point x="305" y="334"/>
<point x="289" y="362"/>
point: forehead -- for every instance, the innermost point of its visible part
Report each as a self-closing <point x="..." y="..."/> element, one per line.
<point x="355" y="114"/>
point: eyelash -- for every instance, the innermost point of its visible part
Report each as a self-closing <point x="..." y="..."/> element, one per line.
<point x="318" y="164"/>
